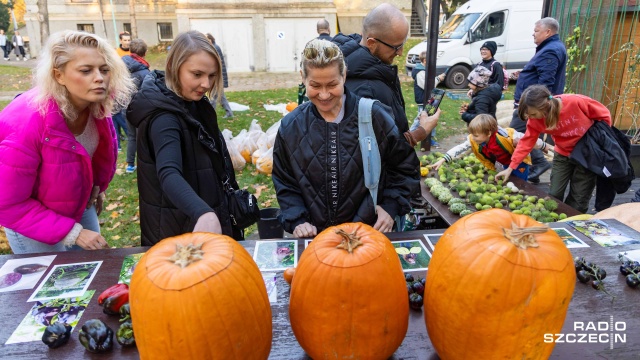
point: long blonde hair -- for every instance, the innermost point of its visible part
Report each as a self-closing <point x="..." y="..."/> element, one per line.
<point x="58" y="52"/>
<point x="185" y="45"/>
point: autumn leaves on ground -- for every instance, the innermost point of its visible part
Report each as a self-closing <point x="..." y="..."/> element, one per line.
<point x="120" y="220"/>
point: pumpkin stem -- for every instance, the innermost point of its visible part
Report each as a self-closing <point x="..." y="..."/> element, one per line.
<point x="186" y="255"/>
<point x="349" y="241"/>
<point x="523" y="237"/>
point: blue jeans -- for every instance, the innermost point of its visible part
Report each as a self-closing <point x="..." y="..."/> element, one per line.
<point x="21" y="244"/>
<point x="120" y="123"/>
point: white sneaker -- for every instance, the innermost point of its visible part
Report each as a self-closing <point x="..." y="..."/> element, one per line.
<point x="24" y="59"/>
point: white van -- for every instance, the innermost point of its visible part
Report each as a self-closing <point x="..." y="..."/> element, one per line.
<point x="507" y="22"/>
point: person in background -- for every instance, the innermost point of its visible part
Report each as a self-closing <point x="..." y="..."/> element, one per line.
<point x="119" y="119"/>
<point x="58" y="146"/>
<point x="484" y="96"/>
<point x="321" y="183"/>
<point x="3" y="44"/>
<point x="324" y="30"/>
<point x="125" y="42"/>
<point x="370" y="70"/>
<point x="178" y="141"/>
<point x="222" y="96"/>
<point x="487" y="52"/>
<point x="419" y="75"/>
<point x="490" y="144"/>
<point x="566" y="118"/>
<point x="18" y="45"/>
<point x="138" y="68"/>
<point x="547" y="67"/>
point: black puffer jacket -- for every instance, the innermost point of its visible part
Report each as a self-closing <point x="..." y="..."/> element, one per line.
<point x="483" y="102"/>
<point x="169" y="207"/>
<point x="312" y="188"/>
<point x="369" y="77"/>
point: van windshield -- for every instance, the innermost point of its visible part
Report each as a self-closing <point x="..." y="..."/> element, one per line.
<point x="457" y="26"/>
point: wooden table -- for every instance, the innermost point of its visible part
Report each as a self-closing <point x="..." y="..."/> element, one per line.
<point x="587" y="305"/>
<point x="531" y="190"/>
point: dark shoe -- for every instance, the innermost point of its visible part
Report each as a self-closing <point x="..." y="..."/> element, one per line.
<point x="227" y="116"/>
<point x="537" y="171"/>
<point x="535" y="180"/>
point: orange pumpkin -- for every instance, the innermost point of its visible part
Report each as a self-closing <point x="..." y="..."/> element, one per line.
<point x="200" y="296"/>
<point x="291" y="106"/>
<point x="497" y="282"/>
<point x="348" y="295"/>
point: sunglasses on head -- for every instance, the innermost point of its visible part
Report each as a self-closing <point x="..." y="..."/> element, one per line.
<point x="311" y="53"/>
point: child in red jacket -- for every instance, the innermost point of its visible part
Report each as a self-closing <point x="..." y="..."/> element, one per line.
<point x="566" y="118"/>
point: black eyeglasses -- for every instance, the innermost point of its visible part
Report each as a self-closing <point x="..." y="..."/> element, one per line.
<point x="395" y="48"/>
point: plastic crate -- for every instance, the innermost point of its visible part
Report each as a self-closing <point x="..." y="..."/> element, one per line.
<point x="431" y="222"/>
<point x="457" y="95"/>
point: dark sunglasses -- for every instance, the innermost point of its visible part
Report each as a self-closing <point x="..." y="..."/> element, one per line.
<point x="329" y="52"/>
<point x="395" y="48"/>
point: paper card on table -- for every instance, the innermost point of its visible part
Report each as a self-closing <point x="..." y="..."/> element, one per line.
<point x="606" y="232"/>
<point x="19" y="274"/>
<point x="432" y="239"/>
<point x="128" y="265"/>
<point x="272" y="289"/>
<point x="413" y="254"/>
<point x="68" y="280"/>
<point x="276" y="255"/>
<point x="631" y="255"/>
<point x="569" y="239"/>
<point x="48" y="312"/>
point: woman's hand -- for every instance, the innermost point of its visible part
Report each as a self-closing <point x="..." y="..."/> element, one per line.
<point x="437" y="165"/>
<point x="91" y="240"/>
<point x="208" y="222"/>
<point x="305" y="230"/>
<point x="548" y="148"/>
<point x="384" y="222"/>
<point x="504" y="174"/>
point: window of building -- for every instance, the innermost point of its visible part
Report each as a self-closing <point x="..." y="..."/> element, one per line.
<point x="126" y="27"/>
<point x="86" y="28"/>
<point x="165" y="31"/>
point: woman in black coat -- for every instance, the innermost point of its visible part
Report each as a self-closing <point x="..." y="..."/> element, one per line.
<point x="317" y="169"/>
<point x="179" y="143"/>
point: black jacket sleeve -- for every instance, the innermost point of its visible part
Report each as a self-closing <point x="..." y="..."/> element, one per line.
<point x="165" y="132"/>
<point x="479" y="105"/>
<point x="497" y="75"/>
<point x="293" y="212"/>
<point x="400" y="170"/>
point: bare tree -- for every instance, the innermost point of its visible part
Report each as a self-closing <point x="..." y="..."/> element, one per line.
<point x="43" y="19"/>
<point x="134" y="24"/>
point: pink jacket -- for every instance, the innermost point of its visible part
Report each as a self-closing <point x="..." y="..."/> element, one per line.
<point x="46" y="176"/>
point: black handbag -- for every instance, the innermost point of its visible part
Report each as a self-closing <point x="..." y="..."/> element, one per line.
<point x="243" y="206"/>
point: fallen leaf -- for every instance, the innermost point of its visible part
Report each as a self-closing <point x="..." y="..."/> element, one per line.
<point x="114" y="214"/>
<point x="111" y="206"/>
<point x="115" y="237"/>
<point x="114" y="226"/>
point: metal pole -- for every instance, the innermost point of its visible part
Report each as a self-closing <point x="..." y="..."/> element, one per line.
<point x="432" y="54"/>
<point x="15" y="22"/>
<point x="546" y="8"/>
<point x="115" y="27"/>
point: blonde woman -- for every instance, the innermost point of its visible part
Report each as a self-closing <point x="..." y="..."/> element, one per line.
<point x="58" y="146"/>
<point x="178" y="143"/>
<point x="317" y="165"/>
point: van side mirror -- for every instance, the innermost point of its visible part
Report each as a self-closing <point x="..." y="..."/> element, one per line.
<point x="470" y="38"/>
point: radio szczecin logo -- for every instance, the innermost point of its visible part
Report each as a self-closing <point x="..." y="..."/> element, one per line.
<point x="592" y="332"/>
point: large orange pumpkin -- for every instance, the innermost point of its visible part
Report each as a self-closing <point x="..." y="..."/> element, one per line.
<point x="348" y="295"/>
<point x="200" y="296"/>
<point x="497" y="282"/>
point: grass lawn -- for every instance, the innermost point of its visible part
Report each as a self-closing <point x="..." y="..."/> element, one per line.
<point x="120" y="219"/>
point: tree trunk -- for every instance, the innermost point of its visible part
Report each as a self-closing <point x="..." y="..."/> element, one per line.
<point x="43" y="19"/>
<point x="134" y="24"/>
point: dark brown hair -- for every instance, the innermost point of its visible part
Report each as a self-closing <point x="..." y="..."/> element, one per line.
<point x="539" y="97"/>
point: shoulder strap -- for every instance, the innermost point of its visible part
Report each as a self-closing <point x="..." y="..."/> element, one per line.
<point x="371" y="162"/>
